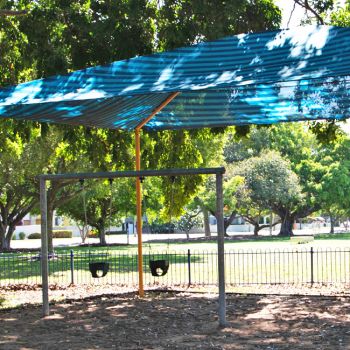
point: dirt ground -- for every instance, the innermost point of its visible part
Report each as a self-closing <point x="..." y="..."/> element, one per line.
<point x="180" y="321"/>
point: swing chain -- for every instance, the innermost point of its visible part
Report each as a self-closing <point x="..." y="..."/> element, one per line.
<point x="82" y="184"/>
<point x="110" y="203"/>
<point x="172" y="179"/>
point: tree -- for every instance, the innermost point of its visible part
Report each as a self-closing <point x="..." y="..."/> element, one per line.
<point x="250" y="211"/>
<point x="207" y="198"/>
<point x="188" y="221"/>
<point x="6" y="10"/>
<point x="186" y="21"/>
<point x="199" y="203"/>
<point x="105" y="204"/>
<point x="341" y="16"/>
<point x="334" y="186"/>
<point x="271" y="184"/>
<point x="61" y="157"/>
<point x="299" y="147"/>
<point x="56" y="37"/>
<point x="21" y="161"/>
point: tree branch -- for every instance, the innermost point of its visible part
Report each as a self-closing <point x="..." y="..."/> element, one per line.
<point x="305" y="4"/>
<point x="12" y="12"/>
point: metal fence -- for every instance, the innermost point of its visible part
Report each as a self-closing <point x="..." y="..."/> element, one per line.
<point x="243" y="267"/>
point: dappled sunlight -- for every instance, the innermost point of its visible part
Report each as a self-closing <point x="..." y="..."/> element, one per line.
<point x="265" y="78"/>
<point x="184" y="321"/>
<point x="304" y="41"/>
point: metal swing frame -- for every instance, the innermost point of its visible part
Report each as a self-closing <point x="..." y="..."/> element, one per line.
<point x="218" y="172"/>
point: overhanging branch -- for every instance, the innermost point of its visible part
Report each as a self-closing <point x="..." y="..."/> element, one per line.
<point x="5" y="13"/>
<point x="305" y="4"/>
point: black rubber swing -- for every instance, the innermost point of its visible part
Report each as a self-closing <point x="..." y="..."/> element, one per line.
<point x="159" y="267"/>
<point x="98" y="269"/>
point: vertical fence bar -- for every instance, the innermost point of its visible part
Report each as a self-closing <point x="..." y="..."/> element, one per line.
<point x="312" y="265"/>
<point x="71" y="267"/>
<point x="189" y="266"/>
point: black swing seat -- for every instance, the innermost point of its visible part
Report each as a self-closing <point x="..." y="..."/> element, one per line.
<point x="98" y="269"/>
<point x="159" y="267"/>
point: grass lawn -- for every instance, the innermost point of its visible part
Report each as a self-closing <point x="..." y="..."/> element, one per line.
<point x="261" y="242"/>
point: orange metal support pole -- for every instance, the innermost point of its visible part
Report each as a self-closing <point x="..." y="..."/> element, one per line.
<point x="138" y="187"/>
<point x="139" y="212"/>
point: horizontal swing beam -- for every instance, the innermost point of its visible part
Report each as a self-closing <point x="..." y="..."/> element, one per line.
<point x="141" y="173"/>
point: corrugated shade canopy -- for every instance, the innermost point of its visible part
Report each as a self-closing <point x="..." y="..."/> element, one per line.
<point x="264" y="78"/>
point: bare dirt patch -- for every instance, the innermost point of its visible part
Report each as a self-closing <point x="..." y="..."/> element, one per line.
<point x="180" y="321"/>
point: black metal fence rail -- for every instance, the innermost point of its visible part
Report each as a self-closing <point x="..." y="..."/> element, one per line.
<point x="243" y="267"/>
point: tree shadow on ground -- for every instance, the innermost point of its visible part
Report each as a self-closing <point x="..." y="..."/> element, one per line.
<point x="181" y="321"/>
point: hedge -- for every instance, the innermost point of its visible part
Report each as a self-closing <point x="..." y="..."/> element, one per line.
<point x="116" y="232"/>
<point x="55" y="234"/>
<point x="35" y="235"/>
<point x="62" y="234"/>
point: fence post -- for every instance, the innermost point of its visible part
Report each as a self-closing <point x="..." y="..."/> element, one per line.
<point x="189" y="266"/>
<point x="312" y="264"/>
<point x="71" y="266"/>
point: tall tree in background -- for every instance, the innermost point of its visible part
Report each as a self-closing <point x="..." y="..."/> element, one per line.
<point x="55" y="37"/>
<point x="335" y="182"/>
<point x="271" y="184"/>
<point x="296" y="145"/>
<point x="251" y="211"/>
<point x="105" y="204"/>
<point x="184" y="22"/>
<point x="21" y="159"/>
<point x="206" y="199"/>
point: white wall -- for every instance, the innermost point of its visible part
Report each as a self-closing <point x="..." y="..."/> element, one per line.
<point x="28" y="229"/>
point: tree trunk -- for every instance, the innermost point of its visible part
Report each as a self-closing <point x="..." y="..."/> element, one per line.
<point x="256" y="230"/>
<point x="50" y="211"/>
<point x="102" y="235"/>
<point x="226" y="225"/>
<point x="83" y="233"/>
<point x="3" y="229"/>
<point x="228" y="222"/>
<point x="332" y="224"/>
<point x="2" y="237"/>
<point x="8" y="237"/>
<point x="206" y="222"/>
<point x="4" y="243"/>
<point x="287" y="226"/>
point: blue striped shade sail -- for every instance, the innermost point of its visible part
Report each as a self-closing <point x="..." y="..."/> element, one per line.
<point x="287" y="75"/>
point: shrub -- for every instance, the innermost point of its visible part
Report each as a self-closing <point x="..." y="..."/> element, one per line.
<point x="92" y="234"/>
<point x="62" y="234"/>
<point x="22" y="235"/>
<point x="35" y="235"/>
<point x="13" y="237"/>
<point x="157" y="227"/>
<point x="116" y="232"/>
